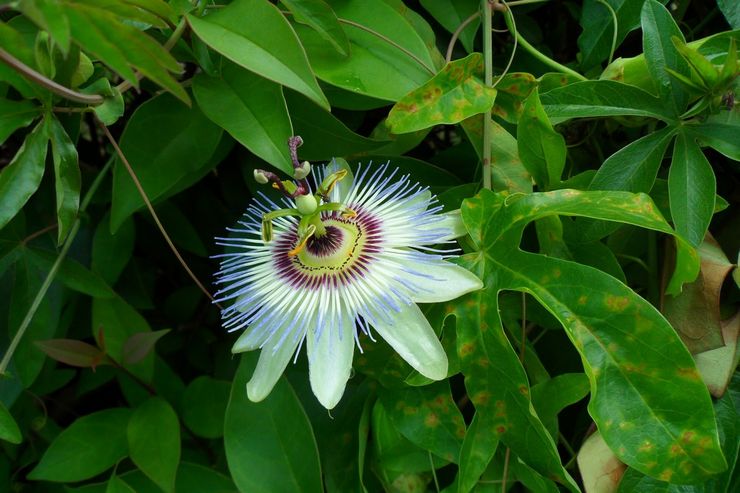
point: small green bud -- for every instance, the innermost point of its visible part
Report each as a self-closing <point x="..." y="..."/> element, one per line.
<point x="260" y="177"/>
<point x="303" y="171"/>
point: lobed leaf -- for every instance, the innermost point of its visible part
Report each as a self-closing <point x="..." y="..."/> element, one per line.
<point x="647" y="397"/>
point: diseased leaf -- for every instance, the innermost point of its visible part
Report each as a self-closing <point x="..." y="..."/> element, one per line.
<point x="512" y="89"/>
<point x="600" y="469"/>
<point x="66" y="177"/>
<point x="476" y="453"/>
<point x="428" y="417"/>
<point x="253" y="34"/>
<point x="646" y="394"/>
<point x="252" y="109"/>
<point x="20" y="179"/>
<point x="87" y="447"/>
<point x="454" y="94"/>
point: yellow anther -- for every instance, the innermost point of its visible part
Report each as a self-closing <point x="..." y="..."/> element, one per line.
<point x="328" y="184"/>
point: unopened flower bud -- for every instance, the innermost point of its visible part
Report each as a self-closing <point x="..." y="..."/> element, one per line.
<point x="302" y="171"/>
<point x="306" y="204"/>
<point x="260" y="177"/>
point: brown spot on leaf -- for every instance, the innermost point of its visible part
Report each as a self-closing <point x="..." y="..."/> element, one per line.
<point x="467" y="349"/>
<point x="688" y="436"/>
<point x="666" y="474"/>
<point x="500" y="429"/>
<point x="523" y="390"/>
<point x="617" y="303"/>
<point x="431" y="420"/>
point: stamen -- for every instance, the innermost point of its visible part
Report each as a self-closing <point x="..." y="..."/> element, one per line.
<point x="303" y="240"/>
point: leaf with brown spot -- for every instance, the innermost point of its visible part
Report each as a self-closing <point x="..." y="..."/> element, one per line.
<point x="644" y="384"/>
<point x="428" y="417"/>
<point x="454" y="94"/>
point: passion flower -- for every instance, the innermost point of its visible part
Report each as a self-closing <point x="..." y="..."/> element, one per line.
<point x="345" y="254"/>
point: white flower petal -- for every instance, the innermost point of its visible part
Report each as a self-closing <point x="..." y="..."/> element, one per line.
<point x="330" y="360"/>
<point x="451" y="221"/>
<point x="449" y="281"/>
<point x="414" y="339"/>
<point x="271" y="366"/>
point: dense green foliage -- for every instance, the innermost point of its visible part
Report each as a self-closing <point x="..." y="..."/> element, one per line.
<point x="592" y="148"/>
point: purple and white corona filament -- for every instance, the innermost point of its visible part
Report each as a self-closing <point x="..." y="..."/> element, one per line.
<point x="337" y="258"/>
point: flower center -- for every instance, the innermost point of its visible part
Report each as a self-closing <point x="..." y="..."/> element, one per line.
<point x="335" y="257"/>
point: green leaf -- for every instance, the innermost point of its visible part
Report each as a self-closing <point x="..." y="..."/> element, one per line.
<point x="20" y="179"/>
<point x="111" y="252"/>
<point x="118" y="485"/>
<point x="66" y="177"/>
<point x="720" y="133"/>
<point x="324" y="135"/>
<point x="454" y="94"/>
<point x="552" y="396"/>
<point x="28" y="360"/>
<point x="15" y="115"/>
<point x="657" y="29"/>
<point x="9" y="430"/>
<point x="73" y="274"/>
<point x="731" y="10"/>
<point x="49" y="15"/>
<point x="123" y="47"/>
<point x="598" y="28"/>
<point x="252" y="109"/>
<point x="372" y="62"/>
<point x="253" y="34"/>
<point x="112" y="107"/>
<point x="647" y="397"/>
<point x="691" y="189"/>
<point x="113" y="322"/>
<point x="452" y="13"/>
<point x="428" y="417"/>
<point x="632" y="168"/>
<point x="707" y="72"/>
<point x="154" y="441"/>
<point x="475" y="455"/>
<point x="164" y="141"/>
<point x="270" y="446"/>
<point x="541" y="148"/>
<point x="73" y="352"/>
<point x="318" y="15"/>
<point x="506" y="166"/>
<point x="204" y="405"/>
<point x="603" y="98"/>
<point x="87" y="447"/>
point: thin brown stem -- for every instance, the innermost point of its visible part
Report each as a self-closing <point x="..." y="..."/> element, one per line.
<point x="505" y="473"/>
<point x="456" y="34"/>
<point x="38" y="233"/>
<point x="390" y="42"/>
<point x="43" y="81"/>
<point x="154" y="215"/>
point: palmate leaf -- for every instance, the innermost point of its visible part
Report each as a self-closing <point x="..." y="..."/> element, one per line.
<point x="647" y="397"/>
